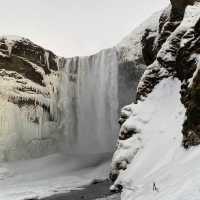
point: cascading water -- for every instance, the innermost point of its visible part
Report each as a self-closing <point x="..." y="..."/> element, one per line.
<point x="89" y="103"/>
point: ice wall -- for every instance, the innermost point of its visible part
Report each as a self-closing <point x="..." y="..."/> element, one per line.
<point x="28" y="115"/>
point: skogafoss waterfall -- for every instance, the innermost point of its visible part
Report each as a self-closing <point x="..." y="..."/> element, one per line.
<point x="89" y="102"/>
<point x="73" y="110"/>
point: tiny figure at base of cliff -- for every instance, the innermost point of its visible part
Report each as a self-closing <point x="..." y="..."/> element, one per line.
<point x="155" y="188"/>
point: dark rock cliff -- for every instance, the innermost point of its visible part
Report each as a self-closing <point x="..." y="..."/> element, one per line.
<point x="177" y="48"/>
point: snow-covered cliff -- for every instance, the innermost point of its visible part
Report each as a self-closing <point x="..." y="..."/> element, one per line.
<point x="154" y="158"/>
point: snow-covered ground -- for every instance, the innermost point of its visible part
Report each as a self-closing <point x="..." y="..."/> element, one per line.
<point x="50" y="175"/>
<point x="156" y="155"/>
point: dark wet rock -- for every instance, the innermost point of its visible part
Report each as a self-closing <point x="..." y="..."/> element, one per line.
<point x="21" y="54"/>
<point x="148" y="48"/>
<point x="191" y="126"/>
<point x="89" y="192"/>
<point x="129" y="75"/>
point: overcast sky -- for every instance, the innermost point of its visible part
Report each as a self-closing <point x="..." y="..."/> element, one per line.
<point x="75" y="27"/>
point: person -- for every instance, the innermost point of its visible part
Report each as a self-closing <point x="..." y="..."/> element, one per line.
<point x="155" y="188"/>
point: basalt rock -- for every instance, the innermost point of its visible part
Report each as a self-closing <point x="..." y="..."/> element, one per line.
<point x="29" y="67"/>
<point x="181" y="4"/>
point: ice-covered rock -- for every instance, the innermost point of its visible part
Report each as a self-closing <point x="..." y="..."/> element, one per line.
<point x="28" y="91"/>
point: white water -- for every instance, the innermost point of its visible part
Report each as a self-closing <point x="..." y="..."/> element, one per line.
<point x="89" y="101"/>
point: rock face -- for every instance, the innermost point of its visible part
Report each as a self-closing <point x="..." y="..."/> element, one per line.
<point x="179" y="57"/>
<point x="28" y="65"/>
<point x="175" y="54"/>
<point x="28" y="88"/>
<point x="181" y="4"/>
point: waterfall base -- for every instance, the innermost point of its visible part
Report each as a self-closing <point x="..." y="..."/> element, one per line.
<point x="51" y="175"/>
<point x="94" y="191"/>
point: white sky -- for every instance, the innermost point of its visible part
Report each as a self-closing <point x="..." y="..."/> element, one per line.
<point x="75" y="27"/>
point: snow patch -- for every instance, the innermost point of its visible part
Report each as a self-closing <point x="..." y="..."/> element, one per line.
<point x="160" y="159"/>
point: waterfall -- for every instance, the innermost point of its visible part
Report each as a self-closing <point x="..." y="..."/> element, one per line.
<point x="89" y="103"/>
<point x="83" y="98"/>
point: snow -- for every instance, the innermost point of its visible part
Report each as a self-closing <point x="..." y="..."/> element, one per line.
<point x="50" y="175"/>
<point x="159" y="158"/>
<point x="10" y="41"/>
<point x="12" y="37"/>
<point x="130" y="47"/>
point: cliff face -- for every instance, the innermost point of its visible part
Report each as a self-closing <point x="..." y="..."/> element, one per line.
<point x="28" y="89"/>
<point x="25" y="69"/>
<point x="172" y="74"/>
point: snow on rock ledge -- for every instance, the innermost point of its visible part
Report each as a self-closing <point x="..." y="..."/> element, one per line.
<point x="28" y="92"/>
<point x="156" y="123"/>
